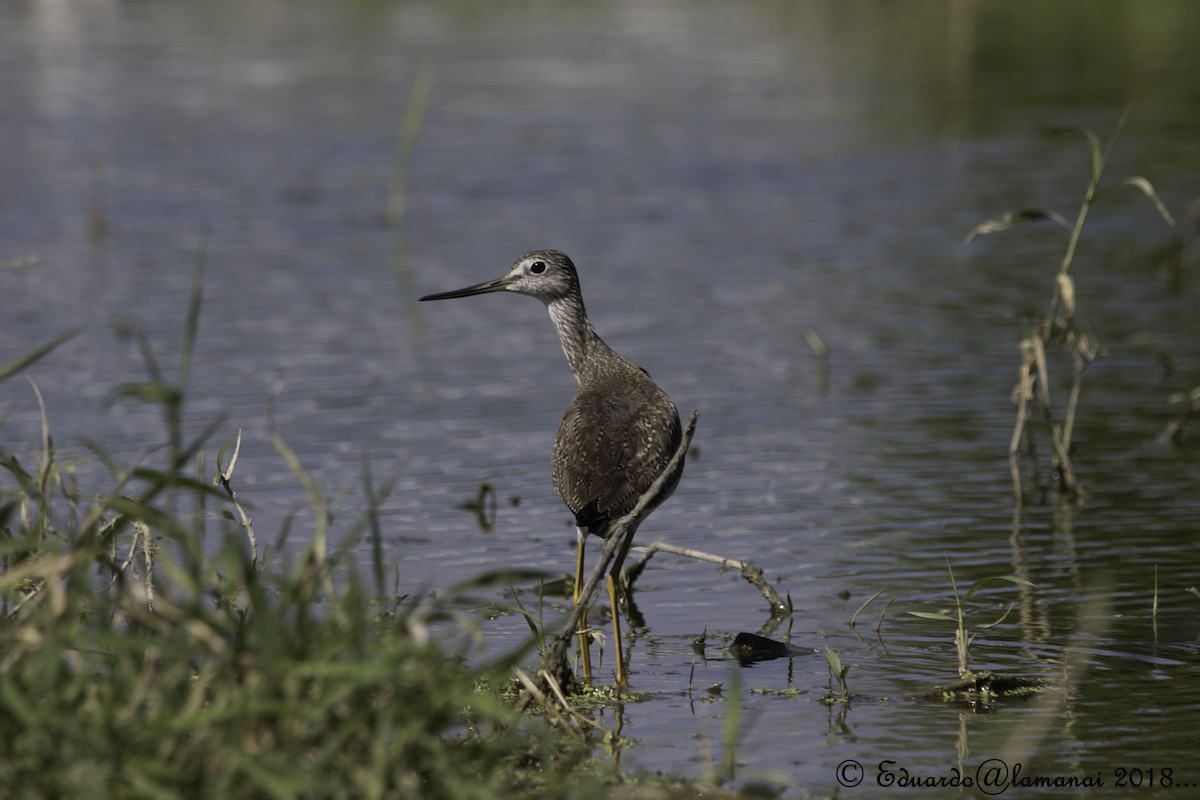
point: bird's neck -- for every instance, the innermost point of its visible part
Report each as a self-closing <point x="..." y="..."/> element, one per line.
<point x="579" y="340"/>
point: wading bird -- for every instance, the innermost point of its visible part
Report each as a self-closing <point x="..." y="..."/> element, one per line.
<point x="617" y="436"/>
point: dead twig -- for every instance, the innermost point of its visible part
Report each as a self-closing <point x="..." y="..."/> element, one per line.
<point x="567" y="718"/>
<point x="222" y="478"/>
<point x="750" y="572"/>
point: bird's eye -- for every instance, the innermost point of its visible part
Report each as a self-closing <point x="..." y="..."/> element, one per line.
<point x="537" y="267"/>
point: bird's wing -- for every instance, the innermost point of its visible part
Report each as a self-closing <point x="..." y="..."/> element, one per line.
<point x="608" y="452"/>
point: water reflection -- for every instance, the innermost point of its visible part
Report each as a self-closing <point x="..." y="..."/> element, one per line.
<point x="733" y="179"/>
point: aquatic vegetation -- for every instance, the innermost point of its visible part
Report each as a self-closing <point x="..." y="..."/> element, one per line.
<point x="964" y="635"/>
<point x="837" y="672"/>
<point x="144" y="657"/>
<point x="1059" y="332"/>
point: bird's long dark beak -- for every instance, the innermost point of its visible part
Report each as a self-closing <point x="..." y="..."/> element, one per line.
<point x="498" y="285"/>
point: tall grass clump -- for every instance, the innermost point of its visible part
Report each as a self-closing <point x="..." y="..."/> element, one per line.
<point x="1058" y="335"/>
<point x="143" y="656"/>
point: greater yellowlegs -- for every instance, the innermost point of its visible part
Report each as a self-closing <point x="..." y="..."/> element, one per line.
<point x="616" y="437"/>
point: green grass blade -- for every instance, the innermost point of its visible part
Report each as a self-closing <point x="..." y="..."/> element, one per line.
<point x="733" y="721"/>
<point x="859" y="610"/>
<point x="1146" y="188"/>
<point x="979" y="584"/>
<point x="191" y="324"/>
<point x="1096" y="154"/>
<point x="1014" y="218"/>
<point x="406" y="139"/>
<point x="18" y="364"/>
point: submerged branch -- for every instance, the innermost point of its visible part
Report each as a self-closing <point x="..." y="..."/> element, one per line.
<point x="750" y="572"/>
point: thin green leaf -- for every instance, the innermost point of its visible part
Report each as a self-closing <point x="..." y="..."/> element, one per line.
<point x="151" y="392"/>
<point x="349" y="670"/>
<point x="161" y="477"/>
<point x="17" y="703"/>
<point x="930" y="615"/>
<point x="835" y="663"/>
<point x="108" y="461"/>
<point x="410" y="125"/>
<point x="1095" y="149"/>
<point x="530" y="620"/>
<point x="9" y="462"/>
<point x="372" y="521"/>
<point x="135" y="509"/>
<point x="16" y="365"/>
<point x="192" y="321"/>
<point x="316" y="495"/>
<point x="201" y="439"/>
<point x="733" y="721"/>
<point x="226" y="470"/>
<point x="1014" y="218"/>
<point x="148" y="357"/>
<point x="979" y="584"/>
<point x="1146" y="188"/>
<point x="866" y="603"/>
<point x="499" y="577"/>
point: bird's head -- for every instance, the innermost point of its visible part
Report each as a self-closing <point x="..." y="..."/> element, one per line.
<point x="547" y="275"/>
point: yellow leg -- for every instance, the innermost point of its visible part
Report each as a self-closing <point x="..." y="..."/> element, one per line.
<point x="585" y="649"/>
<point x="622" y="678"/>
<point x="614" y="582"/>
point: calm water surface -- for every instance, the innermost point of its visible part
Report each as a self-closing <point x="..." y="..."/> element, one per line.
<point x="728" y="182"/>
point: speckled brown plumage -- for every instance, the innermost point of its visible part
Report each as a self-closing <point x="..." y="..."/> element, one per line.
<point x="615" y="438"/>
